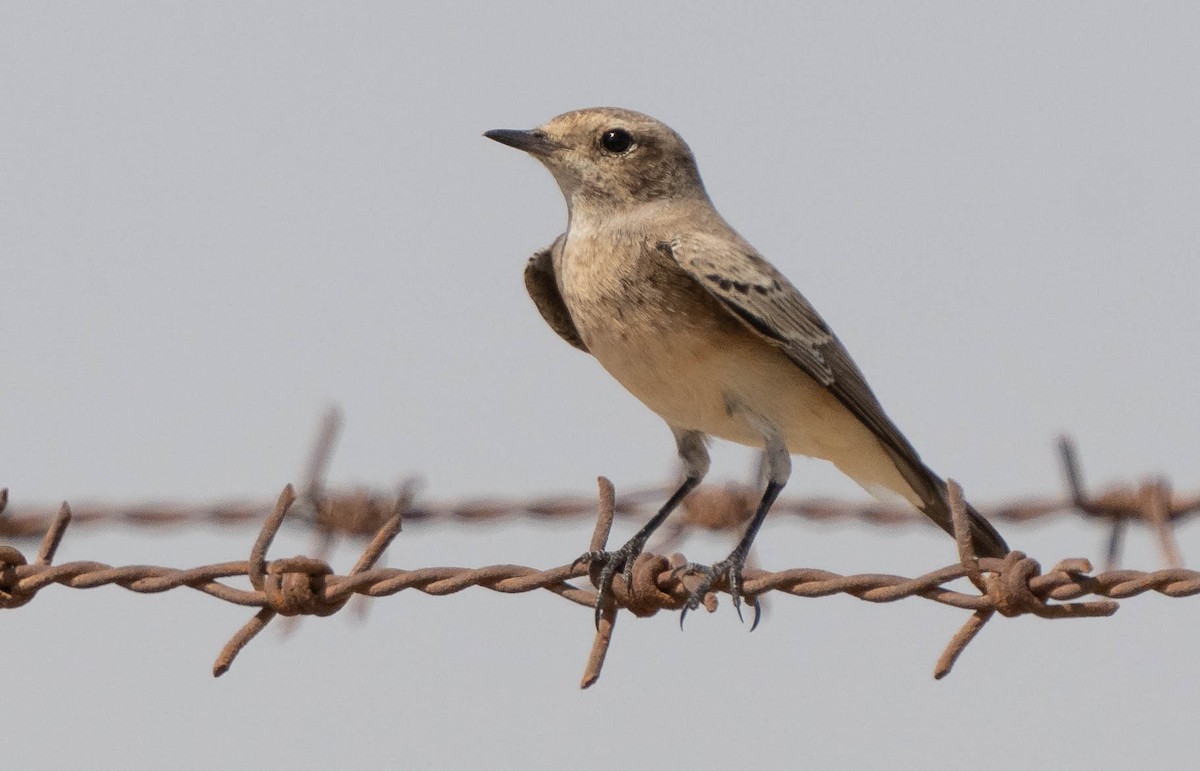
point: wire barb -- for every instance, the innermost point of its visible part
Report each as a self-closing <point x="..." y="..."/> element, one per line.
<point x="1007" y="586"/>
<point x="607" y="617"/>
<point x="361" y="512"/>
<point x="299" y="586"/>
<point x="1151" y="502"/>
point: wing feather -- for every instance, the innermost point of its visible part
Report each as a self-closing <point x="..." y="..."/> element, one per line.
<point x="542" y="286"/>
<point x="758" y="294"/>
<point x="768" y="303"/>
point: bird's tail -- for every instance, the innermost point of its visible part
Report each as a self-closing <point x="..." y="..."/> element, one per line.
<point x="934" y="502"/>
<point x="927" y="491"/>
<point x="987" y="542"/>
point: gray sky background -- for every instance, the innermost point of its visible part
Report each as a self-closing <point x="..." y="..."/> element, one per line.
<point x="216" y="218"/>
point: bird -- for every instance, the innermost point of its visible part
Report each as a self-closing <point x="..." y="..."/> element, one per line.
<point x="684" y="313"/>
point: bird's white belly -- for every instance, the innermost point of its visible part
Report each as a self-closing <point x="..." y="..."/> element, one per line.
<point x="724" y="385"/>
<point x="728" y="386"/>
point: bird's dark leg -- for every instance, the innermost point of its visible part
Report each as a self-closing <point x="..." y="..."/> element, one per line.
<point x="779" y="467"/>
<point x="695" y="459"/>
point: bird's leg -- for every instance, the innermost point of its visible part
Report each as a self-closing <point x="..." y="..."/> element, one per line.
<point x="623" y="558"/>
<point x="695" y="458"/>
<point x="779" y="467"/>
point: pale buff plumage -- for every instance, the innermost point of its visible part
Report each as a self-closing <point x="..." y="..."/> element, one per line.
<point x="685" y="314"/>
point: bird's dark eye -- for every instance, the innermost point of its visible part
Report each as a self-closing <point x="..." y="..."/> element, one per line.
<point x="616" y="140"/>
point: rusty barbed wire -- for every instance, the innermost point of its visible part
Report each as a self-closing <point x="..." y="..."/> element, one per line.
<point x="307" y="586"/>
<point x="360" y="512"/>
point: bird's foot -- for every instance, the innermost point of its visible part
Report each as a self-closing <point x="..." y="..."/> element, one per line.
<point x="730" y="569"/>
<point x="611" y="562"/>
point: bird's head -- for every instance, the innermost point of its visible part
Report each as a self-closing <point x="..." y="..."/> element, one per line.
<point x="605" y="157"/>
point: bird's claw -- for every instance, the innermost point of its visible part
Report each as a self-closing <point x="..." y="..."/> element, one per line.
<point x="622" y="559"/>
<point x="730" y="569"/>
<point x="589" y="557"/>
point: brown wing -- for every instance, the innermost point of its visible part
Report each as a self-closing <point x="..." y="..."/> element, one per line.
<point x="542" y="286"/>
<point x="765" y="300"/>
<point x="751" y="288"/>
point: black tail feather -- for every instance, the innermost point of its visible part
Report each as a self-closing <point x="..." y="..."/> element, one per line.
<point x="987" y="541"/>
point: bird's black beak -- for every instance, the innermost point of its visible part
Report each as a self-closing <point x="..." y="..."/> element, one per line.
<point x="534" y="142"/>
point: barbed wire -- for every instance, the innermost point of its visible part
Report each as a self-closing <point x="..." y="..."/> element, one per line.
<point x="360" y="512"/>
<point x="308" y="586"/>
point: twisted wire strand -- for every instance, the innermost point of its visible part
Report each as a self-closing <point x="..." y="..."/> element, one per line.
<point x="361" y="512"/>
<point x="299" y="586"/>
